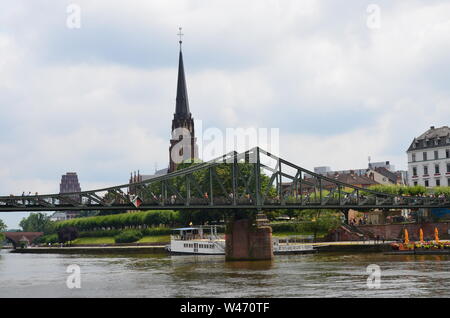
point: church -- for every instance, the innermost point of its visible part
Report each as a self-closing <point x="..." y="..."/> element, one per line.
<point x="183" y="143"/>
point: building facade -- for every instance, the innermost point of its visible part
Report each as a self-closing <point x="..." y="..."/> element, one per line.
<point x="69" y="183"/>
<point x="429" y="158"/>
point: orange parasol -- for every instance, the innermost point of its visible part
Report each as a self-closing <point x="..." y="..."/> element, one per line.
<point x="406" y="237"/>
<point x="436" y="235"/>
<point x="421" y="235"/>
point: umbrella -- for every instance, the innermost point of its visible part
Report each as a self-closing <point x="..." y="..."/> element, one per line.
<point x="421" y="235"/>
<point x="436" y="235"/>
<point x="406" y="237"/>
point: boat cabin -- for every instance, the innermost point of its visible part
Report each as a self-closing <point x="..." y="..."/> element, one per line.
<point x="188" y="233"/>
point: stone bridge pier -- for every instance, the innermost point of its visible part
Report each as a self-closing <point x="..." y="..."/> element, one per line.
<point x="245" y="240"/>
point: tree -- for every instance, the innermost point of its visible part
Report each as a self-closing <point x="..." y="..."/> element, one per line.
<point x="222" y="189"/>
<point x="3" y="226"/>
<point x="67" y="234"/>
<point x="37" y="222"/>
<point x="319" y="221"/>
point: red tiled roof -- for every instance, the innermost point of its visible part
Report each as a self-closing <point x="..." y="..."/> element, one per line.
<point x="19" y="236"/>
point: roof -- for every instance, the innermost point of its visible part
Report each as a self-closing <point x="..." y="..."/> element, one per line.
<point x="182" y="105"/>
<point x="59" y="213"/>
<point x="19" y="236"/>
<point x="388" y="174"/>
<point x="433" y="137"/>
<point x="348" y="178"/>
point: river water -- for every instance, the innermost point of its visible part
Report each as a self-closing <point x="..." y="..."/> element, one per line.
<point x="317" y="275"/>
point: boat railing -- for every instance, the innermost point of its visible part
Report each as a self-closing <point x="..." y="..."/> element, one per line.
<point x="190" y="237"/>
<point x="220" y="245"/>
<point x="297" y="247"/>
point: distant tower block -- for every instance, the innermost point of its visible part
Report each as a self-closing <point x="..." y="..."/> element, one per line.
<point x="69" y="183"/>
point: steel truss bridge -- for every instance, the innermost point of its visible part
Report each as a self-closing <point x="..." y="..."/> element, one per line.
<point x="255" y="179"/>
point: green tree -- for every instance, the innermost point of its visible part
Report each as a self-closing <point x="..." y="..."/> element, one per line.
<point x="37" y="222"/>
<point x="3" y="226"/>
<point x="222" y="188"/>
<point x="319" y="221"/>
<point x="67" y="234"/>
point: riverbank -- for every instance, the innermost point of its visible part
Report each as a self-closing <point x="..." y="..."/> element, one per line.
<point x="141" y="248"/>
<point x="149" y="249"/>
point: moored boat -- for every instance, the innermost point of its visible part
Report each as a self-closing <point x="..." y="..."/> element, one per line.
<point x="196" y="240"/>
<point x="206" y="241"/>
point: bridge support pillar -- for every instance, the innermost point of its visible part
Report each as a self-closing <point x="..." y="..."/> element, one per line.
<point x="245" y="241"/>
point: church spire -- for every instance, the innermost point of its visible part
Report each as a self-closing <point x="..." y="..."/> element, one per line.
<point x="182" y="123"/>
<point x="182" y="105"/>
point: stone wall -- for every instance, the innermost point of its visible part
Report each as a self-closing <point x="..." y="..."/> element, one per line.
<point x="395" y="231"/>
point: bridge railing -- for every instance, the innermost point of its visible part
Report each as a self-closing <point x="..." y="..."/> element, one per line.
<point x="252" y="179"/>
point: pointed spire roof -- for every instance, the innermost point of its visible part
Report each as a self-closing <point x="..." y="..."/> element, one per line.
<point x="182" y="105"/>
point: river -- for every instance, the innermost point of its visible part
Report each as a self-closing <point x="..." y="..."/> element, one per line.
<point x="318" y="275"/>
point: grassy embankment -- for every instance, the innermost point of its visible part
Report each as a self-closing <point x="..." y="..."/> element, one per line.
<point x="155" y="227"/>
<point x="162" y="239"/>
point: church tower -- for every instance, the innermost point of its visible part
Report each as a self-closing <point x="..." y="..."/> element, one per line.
<point x="183" y="144"/>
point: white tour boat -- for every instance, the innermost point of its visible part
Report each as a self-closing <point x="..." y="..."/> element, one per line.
<point x="195" y="240"/>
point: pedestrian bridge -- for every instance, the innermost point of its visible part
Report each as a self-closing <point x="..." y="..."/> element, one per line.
<point x="255" y="179"/>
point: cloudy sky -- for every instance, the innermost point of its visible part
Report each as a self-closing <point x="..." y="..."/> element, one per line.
<point x="341" y="80"/>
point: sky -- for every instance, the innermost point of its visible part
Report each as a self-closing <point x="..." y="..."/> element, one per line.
<point x="89" y="86"/>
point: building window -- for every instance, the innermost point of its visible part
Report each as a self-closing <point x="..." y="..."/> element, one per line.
<point x="427" y="184"/>
<point x="436" y="168"/>
<point x="448" y="167"/>
<point x="436" y="154"/>
<point x="413" y="157"/>
<point x="425" y="156"/>
<point x="447" y="153"/>
<point x="438" y="182"/>
<point x="448" y="182"/>
<point x="414" y="171"/>
<point x="415" y="182"/>
<point x="425" y="170"/>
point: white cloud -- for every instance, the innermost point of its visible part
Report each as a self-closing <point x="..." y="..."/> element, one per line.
<point x="99" y="100"/>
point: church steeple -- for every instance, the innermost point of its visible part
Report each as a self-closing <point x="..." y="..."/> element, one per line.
<point x="183" y="146"/>
<point x="182" y="105"/>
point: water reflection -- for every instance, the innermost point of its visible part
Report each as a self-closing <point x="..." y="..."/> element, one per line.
<point x="315" y="275"/>
<point x="250" y="265"/>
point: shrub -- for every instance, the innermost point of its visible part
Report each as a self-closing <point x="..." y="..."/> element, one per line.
<point x="100" y="233"/>
<point x="128" y="236"/>
<point x="67" y="234"/>
<point x="285" y="227"/>
<point x="121" y="221"/>
<point x="155" y="231"/>
<point x="46" y="239"/>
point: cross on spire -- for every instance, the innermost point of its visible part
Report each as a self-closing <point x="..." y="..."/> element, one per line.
<point x="180" y="35"/>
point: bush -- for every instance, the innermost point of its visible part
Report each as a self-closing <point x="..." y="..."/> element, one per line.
<point x="128" y="236"/>
<point x="121" y="221"/>
<point x="100" y="233"/>
<point x="155" y="231"/>
<point x="285" y="227"/>
<point x="46" y="239"/>
<point x="67" y="234"/>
